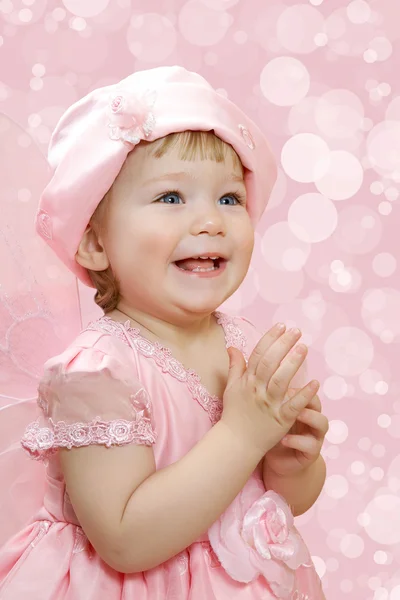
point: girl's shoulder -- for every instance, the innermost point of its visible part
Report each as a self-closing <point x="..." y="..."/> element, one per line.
<point x="114" y="347"/>
<point x="244" y="323"/>
<point x="102" y="346"/>
<point x="248" y="328"/>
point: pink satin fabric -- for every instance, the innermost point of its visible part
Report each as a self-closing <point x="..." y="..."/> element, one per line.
<point x="253" y="552"/>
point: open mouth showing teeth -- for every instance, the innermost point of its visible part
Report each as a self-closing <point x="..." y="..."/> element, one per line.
<point x="200" y="264"/>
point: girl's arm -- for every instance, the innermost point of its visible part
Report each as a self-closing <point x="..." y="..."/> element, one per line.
<point x="300" y="490"/>
<point x="136" y="517"/>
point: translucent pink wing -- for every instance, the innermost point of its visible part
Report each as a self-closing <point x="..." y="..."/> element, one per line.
<point x="39" y="316"/>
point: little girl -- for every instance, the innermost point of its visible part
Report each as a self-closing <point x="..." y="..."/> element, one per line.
<point x="161" y="425"/>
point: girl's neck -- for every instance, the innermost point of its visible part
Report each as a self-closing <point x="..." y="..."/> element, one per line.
<point x="183" y="334"/>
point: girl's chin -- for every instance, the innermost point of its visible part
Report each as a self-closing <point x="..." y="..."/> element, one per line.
<point x="201" y="303"/>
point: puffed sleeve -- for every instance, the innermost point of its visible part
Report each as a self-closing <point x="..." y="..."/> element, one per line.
<point x="89" y="396"/>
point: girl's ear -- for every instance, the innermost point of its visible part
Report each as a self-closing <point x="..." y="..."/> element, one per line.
<point x="91" y="253"/>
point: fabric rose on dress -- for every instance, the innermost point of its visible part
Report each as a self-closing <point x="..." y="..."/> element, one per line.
<point x="263" y="542"/>
<point x="130" y="116"/>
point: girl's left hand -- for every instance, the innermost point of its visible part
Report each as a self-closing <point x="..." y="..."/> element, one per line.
<point x="302" y="445"/>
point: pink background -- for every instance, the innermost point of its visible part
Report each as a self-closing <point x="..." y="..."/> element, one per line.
<point x="320" y="78"/>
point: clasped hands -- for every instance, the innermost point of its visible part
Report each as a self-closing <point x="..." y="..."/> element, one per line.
<point x="301" y="446"/>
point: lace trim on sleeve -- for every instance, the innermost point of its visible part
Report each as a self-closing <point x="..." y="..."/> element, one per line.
<point x="42" y="442"/>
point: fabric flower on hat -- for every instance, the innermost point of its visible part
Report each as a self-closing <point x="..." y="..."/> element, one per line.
<point x="130" y="116"/>
<point x="263" y="542"/>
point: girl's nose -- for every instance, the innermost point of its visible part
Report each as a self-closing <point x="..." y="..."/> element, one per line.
<point x="211" y="222"/>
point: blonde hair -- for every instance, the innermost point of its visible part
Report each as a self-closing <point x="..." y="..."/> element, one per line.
<point x="192" y="145"/>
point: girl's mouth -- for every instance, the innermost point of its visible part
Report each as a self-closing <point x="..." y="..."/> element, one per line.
<point x="207" y="266"/>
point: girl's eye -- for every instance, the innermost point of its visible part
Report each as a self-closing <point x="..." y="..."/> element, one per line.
<point x="237" y="199"/>
<point x="174" y="198"/>
<point x="169" y="198"/>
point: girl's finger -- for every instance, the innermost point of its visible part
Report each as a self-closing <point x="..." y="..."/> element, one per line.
<point x="265" y="342"/>
<point x="291" y="409"/>
<point x="276" y="369"/>
<point x="275" y="355"/>
<point x="316" y="421"/>
<point x="315" y="402"/>
<point x="304" y="443"/>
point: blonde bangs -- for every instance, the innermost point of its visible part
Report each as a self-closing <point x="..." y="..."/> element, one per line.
<point x="194" y="145"/>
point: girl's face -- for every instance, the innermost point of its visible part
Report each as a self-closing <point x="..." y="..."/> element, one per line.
<point x="162" y="210"/>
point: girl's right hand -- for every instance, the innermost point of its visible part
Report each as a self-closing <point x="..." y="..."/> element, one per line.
<point x="255" y="402"/>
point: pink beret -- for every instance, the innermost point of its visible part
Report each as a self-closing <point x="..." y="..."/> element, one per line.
<point x="94" y="136"/>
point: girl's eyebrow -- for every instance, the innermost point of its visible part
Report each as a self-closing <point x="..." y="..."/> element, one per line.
<point x="185" y="175"/>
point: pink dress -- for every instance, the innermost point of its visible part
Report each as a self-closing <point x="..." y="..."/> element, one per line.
<point x="112" y="386"/>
